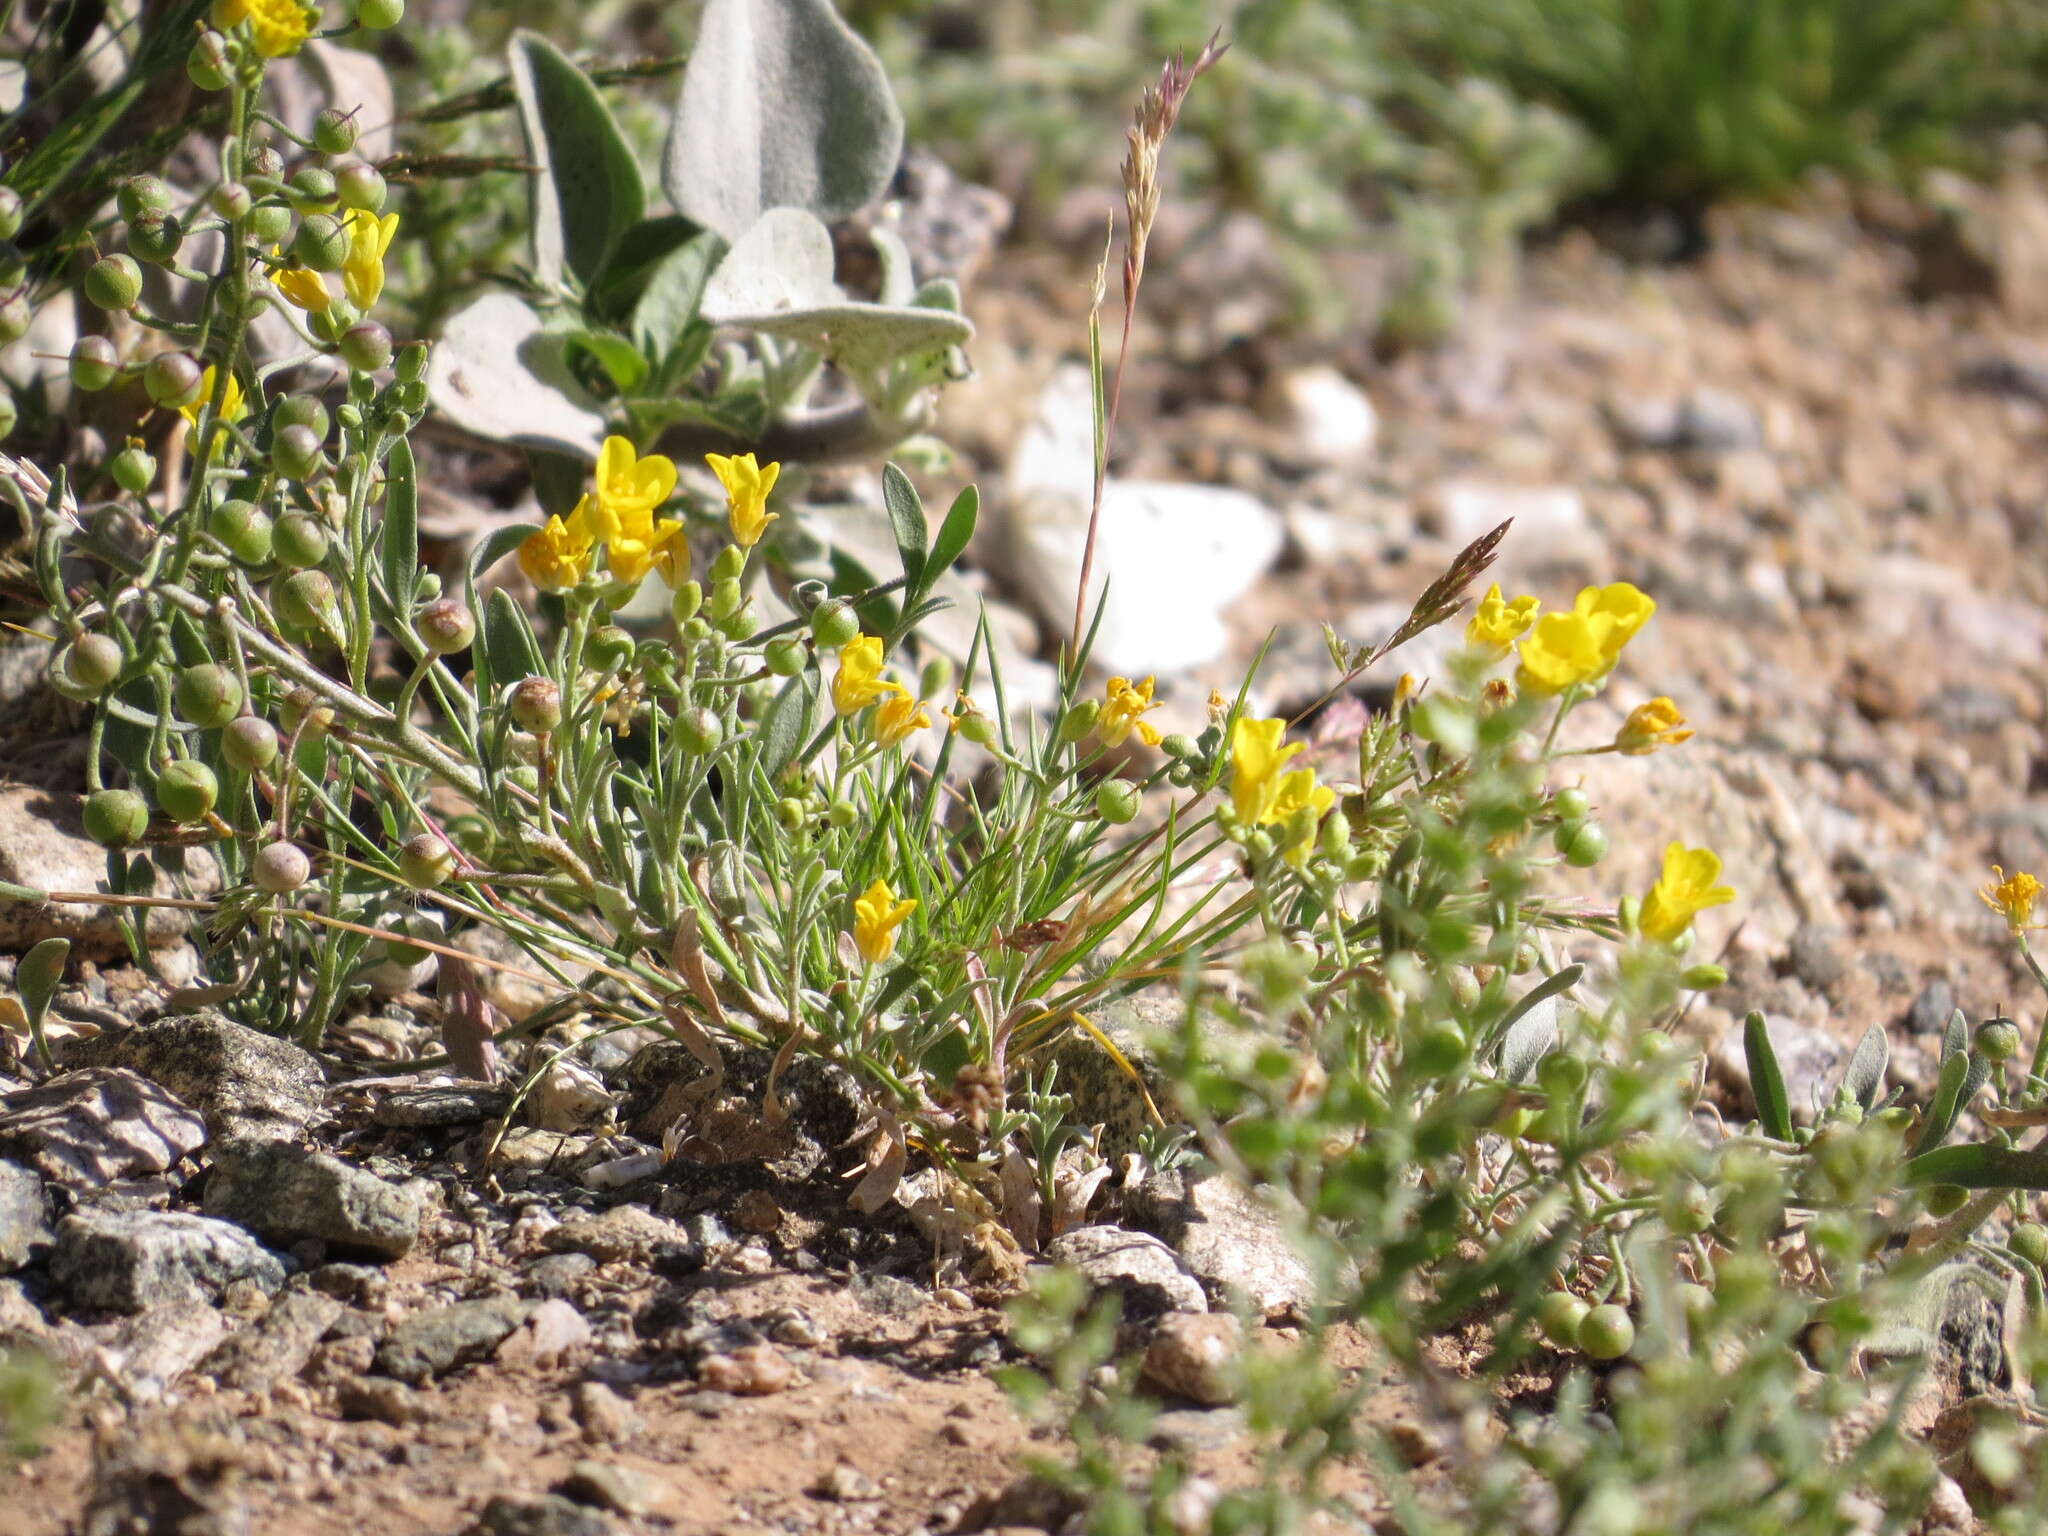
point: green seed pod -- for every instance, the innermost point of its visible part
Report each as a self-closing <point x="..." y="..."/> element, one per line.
<point x="140" y="196"/>
<point x="2030" y="1241"/>
<point x="1558" y="1316"/>
<point x="425" y="861"/>
<point x="334" y="131"/>
<point x="209" y="695"/>
<point x="1696" y="1303"/>
<point x="842" y="814"/>
<point x="1258" y="845"/>
<point x="536" y="704"/>
<point x="300" y="411"/>
<point x="311" y="190"/>
<point x="1180" y="746"/>
<point x="834" y="624"/>
<point x="233" y="200"/>
<point x="245" y="529"/>
<point x="296" y="451"/>
<point x="13" y="265"/>
<point x="608" y="648"/>
<point x="366" y="347"/>
<point x="1607" y="1332"/>
<point x="785" y="657"/>
<point x="304" y="600"/>
<point x="173" y="379"/>
<point x="321" y="243"/>
<point x="93" y="661"/>
<point x="270" y="222"/>
<point x="208" y="64"/>
<point x="263" y="167"/>
<point x="1117" y="801"/>
<point x="729" y="565"/>
<point x="1570" y="805"/>
<point x="741" y="623"/>
<point x="1561" y="1075"/>
<point x="10" y="213"/>
<point x="1582" y="843"/>
<point x="250" y="744"/>
<point x="94" y="363"/>
<point x="792" y="814"/>
<point x="1703" y="977"/>
<point x="301" y="540"/>
<point x="936" y="680"/>
<point x="1079" y="720"/>
<point x="1439" y="1050"/>
<point x="114" y="282"/>
<point x="133" y="469"/>
<point x="698" y="731"/>
<point x="979" y="729"/>
<point x="304" y="713"/>
<point x="1689" y="1207"/>
<point x="15" y="318"/>
<point x="379" y="15"/>
<point x="445" y="626"/>
<point x="281" y="868"/>
<point x="1998" y="1040"/>
<point x="187" y="791"/>
<point x="116" y="818"/>
<point x="1946" y="1199"/>
<point x="155" y="237"/>
<point x="360" y="187"/>
<point x="411" y="367"/>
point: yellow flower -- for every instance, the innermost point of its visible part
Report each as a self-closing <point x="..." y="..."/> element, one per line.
<point x="1300" y="805"/>
<point x="1120" y="712"/>
<point x="1619" y="610"/>
<point x="1257" y="757"/>
<point x="232" y="407"/>
<point x="899" y="715"/>
<point x="305" y="288"/>
<point x="362" y="271"/>
<point x="747" y="487"/>
<point x="1682" y="892"/>
<point x="1564" y="650"/>
<point x="877" y="914"/>
<point x="558" y="556"/>
<point x="1658" y="723"/>
<point x="279" y="27"/>
<point x="860" y="681"/>
<point x="635" y="543"/>
<point x="1498" y="623"/>
<point x="2013" y="898"/>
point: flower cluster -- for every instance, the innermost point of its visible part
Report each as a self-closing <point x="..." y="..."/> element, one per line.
<point x="1265" y="792"/>
<point x="1575" y="648"/>
<point x="860" y="682"/>
<point x="617" y="513"/>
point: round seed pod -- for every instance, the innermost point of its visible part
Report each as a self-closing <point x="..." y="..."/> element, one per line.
<point x="245" y="529"/>
<point x="281" y="868"/>
<point x="445" y="626"/>
<point x="249" y="743"/>
<point x="94" y="363"/>
<point x="1439" y="1049"/>
<point x="208" y="64"/>
<point x="311" y="190"/>
<point x="296" y="451"/>
<point x="140" y="196"/>
<point x="1998" y="1039"/>
<point x="93" y="661"/>
<point x="300" y="541"/>
<point x="834" y="623"/>
<point x="1571" y="805"/>
<point x="133" y="469"/>
<point x="608" y="648"/>
<point x="187" y="791"/>
<point x="334" y="131"/>
<point x="155" y="237"/>
<point x="2030" y="1241"/>
<point x="301" y="411"/>
<point x="1558" y="1316"/>
<point x="1117" y="801"/>
<point x="1079" y="720"/>
<point x="264" y="168"/>
<point x="1946" y="1199"/>
<point x="303" y="708"/>
<point x="270" y="222"/>
<point x="15" y="317"/>
<point x="379" y="15"/>
<point x="233" y="200"/>
<point x="425" y="861"/>
<point x="208" y="695"/>
<point x="698" y="731"/>
<point x="366" y="347"/>
<point x="322" y="243"/>
<point x="114" y="282"/>
<point x="1696" y="1302"/>
<point x="536" y="704"/>
<point x="1582" y="843"/>
<point x="1607" y="1332"/>
<point x="785" y="657"/>
<point x="116" y="818"/>
<point x="174" y="379"/>
<point x="841" y="814"/>
<point x="10" y="213"/>
<point x="360" y="187"/>
<point x="304" y="600"/>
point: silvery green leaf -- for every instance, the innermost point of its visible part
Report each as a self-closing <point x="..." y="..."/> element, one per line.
<point x="863" y="339"/>
<point x="1955" y="1039"/>
<point x="1865" y="1073"/>
<point x="899" y="283"/>
<point x="1528" y="1041"/>
<point x="782" y="106"/>
<point x="497" y="373"/>
<point x="781" y="263"/>
<point x="1945" y="1105"/>
<point x="586" y="190"/>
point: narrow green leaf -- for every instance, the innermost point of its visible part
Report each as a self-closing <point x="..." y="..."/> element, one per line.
<point x="1865" y="1073"/>
<point x="906" y="518"/>
<point x="786" y="721"/>
<point x="1766" y="1079"/>
<point x="954" y="533"/>
<point x="1975" y="1165"/>
<point x="495" y="546"/>
<point x="587" y="191"/>
<point x="398" y="541"/>
<point x="37" y="976"/>
<point x="9" y="891"/>
<point x="1943" y="1106"/>
<point x="508" y="638"/>
<point x="1955" y="1039"/>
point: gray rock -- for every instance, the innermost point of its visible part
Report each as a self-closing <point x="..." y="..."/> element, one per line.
<point x="1197" y="1429"/>
<point x="623" y="1232"/>
<point x="86" y="1129"/>
<point x="44" y="847"/>
<point x="546" y="1514"/>
<point x="1226" y="1236"/>
<point x="454" y="1104"/>
<point x="1932" y="1009"/>
<point x="25" y="1234"/>
<point x="557" y="1274"/>
<point x="1136" y="1265"/>
<point x="285" y="1193"/>
<point x="157" y="1347"/>
<point x="1708" y="420"/>
<point x="125" y="1261"/>
<point x="277" y="1347"/>
<point x="1104" y="1093"/>
<point x="1819" y="955"/>
<point x="430" y="1343"/>
<point x="621" y="1489"/>
<point x="246" y="1083"/>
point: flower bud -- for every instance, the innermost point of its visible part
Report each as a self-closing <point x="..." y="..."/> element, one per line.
<point x="1688" y="1207"/>
<point x="322" y="243"/>
<point x="94" y="363"/>
<point x="1117" y="801"/>
<point x="300" y="540"/>
<point x="209" y="695"/>
<point x="270" y="222"/>
<point x="536" y="704"/>
<point x="366" y="347"/>
<point x="360" y="187"/>
<point x="379" y="15"/>
<point x="726" y="599"/>
<point x="740" y="623"/>
<point x="1179" y="745"/>
<point x="698" y="731"/>
<point x="411" y="367"/>
<point x="425" y="861"/>
<point x="155" y="237"/>
<point x="936" y="679"/>
<point x="334" y="131"/>
<point x="296" y="451"/>
<point x="93" y="661"/>
<point x="785" y="657"/>
<point x="114" y="282"/>
<point x="792" y="814"/>
<point x="1334" y="840"/>
<point x="281" y="868"/>
<point x="1582" y="843"/>
<point x="249" y="743"/>
<point x="311" y="190"/>
<point x="1703" y="977"/>
<point x="139" y="196"/>
<point x="1998" y="1040"/>
<point x="729" y="565"/>
<point x="208" y="63"/>
<point x="842" y="814"/>
<point x="173" y="380"/>
<point x="187" y="791"/>
<point x="1079" y="720"/>
<point x="1946" y="1199"/>
<point x="834" y="623"/>
<point x="10" y="213"/>
<point x="133" y="469"/>
<point x="2030" y="1241"/>
<point x="300" y="411"/>
<point x="245" y="529"/>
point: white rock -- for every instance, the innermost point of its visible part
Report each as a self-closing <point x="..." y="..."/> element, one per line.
<point x="1328" y="419"/>
<point x="1462" y="510"/>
